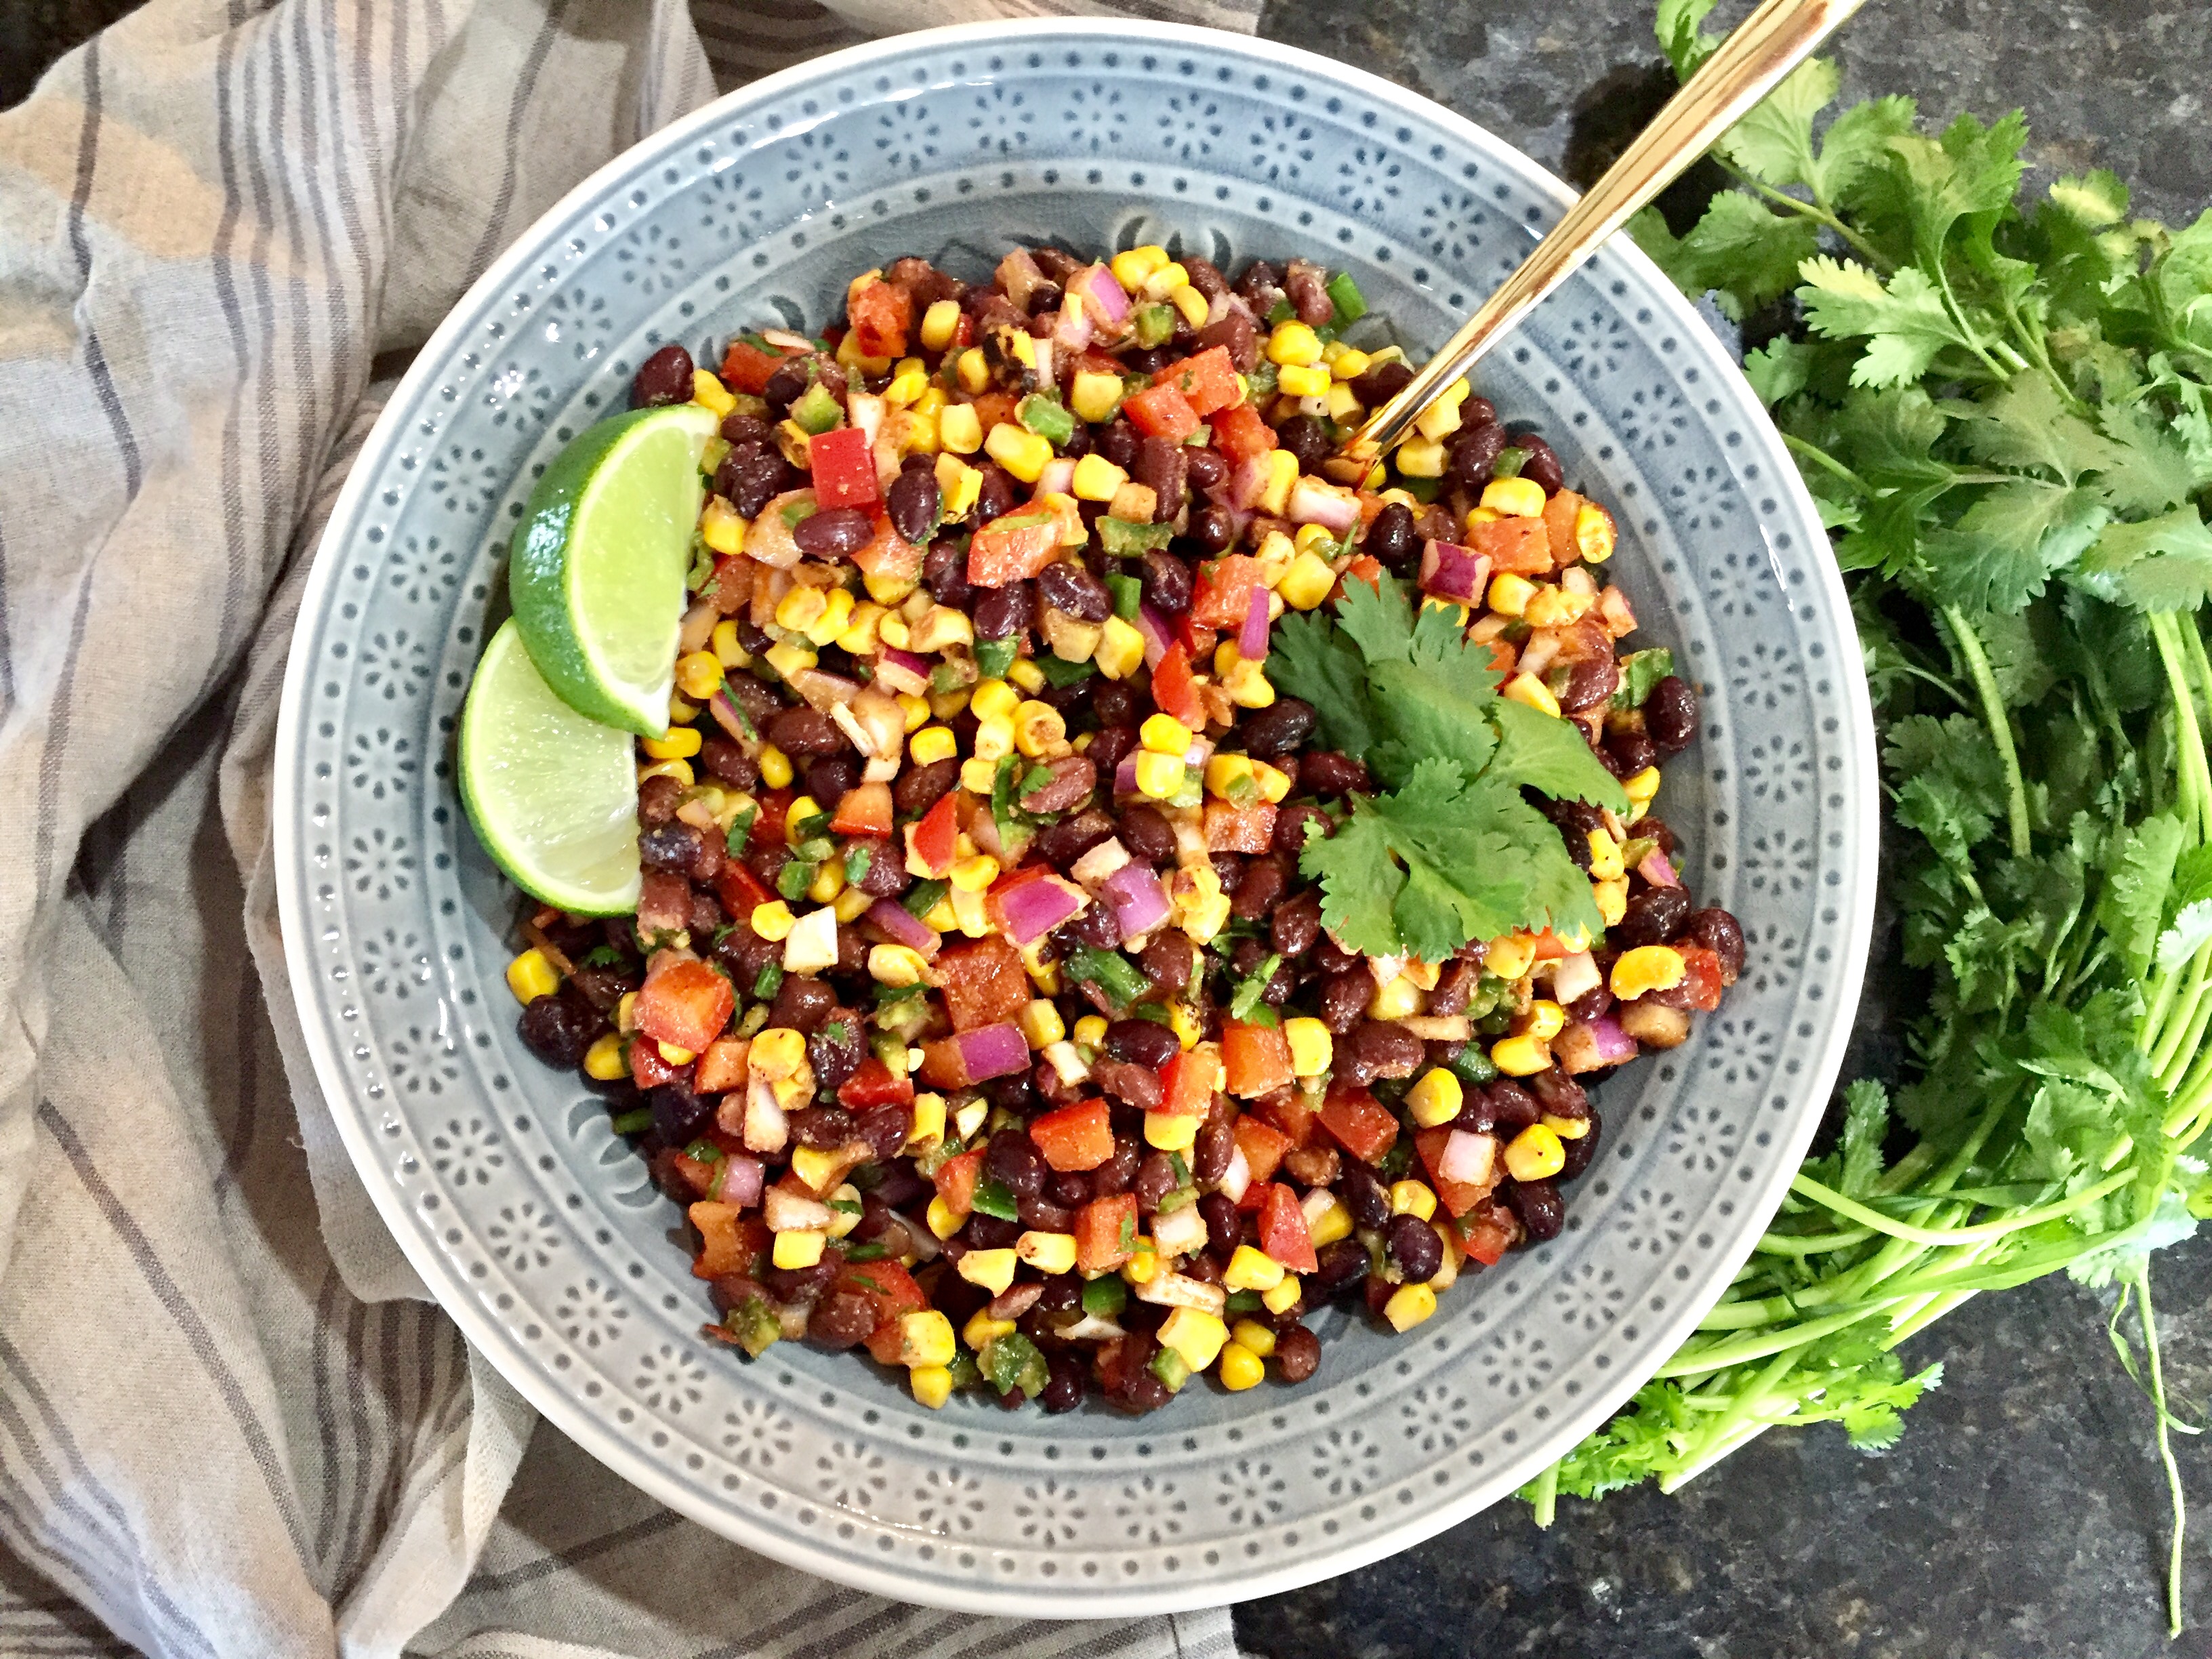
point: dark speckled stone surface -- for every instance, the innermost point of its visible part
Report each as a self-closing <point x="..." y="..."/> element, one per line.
<point x="2023" y="1514"/>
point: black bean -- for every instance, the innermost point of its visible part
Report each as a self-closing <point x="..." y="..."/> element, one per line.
<point x="945" y="572"/>
<point x="788" y="383"/>
<point x="1055" y="263"/>
<point x="1145" y="831"/>
<point x="1045" y="296"/>
<point x="920" y="788"/>
<point x="885" y="875"/>
<point x="679" y="1115"/>
<point x="1069" y="587"/>
<point x="1391" y="538"/>
<point x="1512" y="1107"/>
<point x="1002" y="613"/>
<point x="1167" y="961"/>
<point x="1148" y="360"/>
<point x="1236" y="335"/>
<point x="1118" y="441"/>
<point x="1539" y="1207"/>
<point x="1560" y="1095"/>
<point x="1720" y="933"/>
<point x="835" y="533"/>
<point x="1110" y="746"/>
<point x="1060" y="844"/>
<point x="670" y="846"/>
<point x="1542" y="467"/>
<point x="1229" y="868"/>
<point x="738" y="428"/>
<point x="1326" y="772"/>
<point x="912" y="504"/>
<point x="1580" y="1151"/>
<point x="1295" y="925"/>
<point x="1072" y="1189"/>
<point x="1588" y="684"/>
<point x="1112" y="1178"/>
<point x="1304" y="437"/>
<point x="1212" y="1153"/>
<point x="1307" y="287"/>
<point x="1295" y="826"/>
<point x="1166" y="580"/>
<point x="1628" y="752"/>
<point x="1344" y="1000"/>
<point x="1670" y="715"/>
<point x="1070" y="1381"/>
<point x="1142" y="1391"/>
<point x="1213" y="528"/>
<point x="829" y="777"/>
<point x="842" y="1320"/>
<point x="884" y="1128"/>
<point x="1471" y="453"/>
<point x="1113" y="702"/>
<point x="722" y="760"/>
<point x="1379" y="385"/>
<point x="1378" y="1048"/>
<point x="1260" y="287"/>
<point x="1592" y="1004"/>
<point x="802" y="1004"/>
<point x="662" y="377"/>
<point x="1277" y="729"/>
<point x="822" y="1126"/>
<point x="560" y="1028"/>
<point x="1207" y="468"/>
<point x="1142" y="1043"/>
<point x="988" y="1232"/>
<point x="1095" y="927"/>
<point x="1131" y="1084"/>
<point x="1225" y="1227"/>
<point x="1164" y="466"/>
<point x="1416" y="1248"/>
<point x="1652" y="917"/>
<point x="798" y="1287"/>
<point x="1338" y="1267"/>
<point x="835" y="1050"/>
<point x="1013" y="1157"/>
<point x="996" y="494"/>
<point x="750" y="475"/>
<point x="1155" y="1180"/>
<point x="1363" y="1194"/>
<point x="805" y="731"/>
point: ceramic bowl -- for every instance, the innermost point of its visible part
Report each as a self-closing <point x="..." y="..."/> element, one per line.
<point x="536" y="1227"/>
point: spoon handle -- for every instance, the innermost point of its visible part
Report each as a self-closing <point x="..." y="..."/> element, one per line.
<point x="1743" y="69"/>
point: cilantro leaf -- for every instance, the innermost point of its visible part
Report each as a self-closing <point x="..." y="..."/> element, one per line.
<point x="2004" y="548"/>
<point x="1547" y="753"/>
<point x="2159" y="564"/>
<point x="1774" y="142"/>
<point x="1905" y="323"/>
<point x="1866" y="1121"/>
<point x="1317" y="661"/>
<point x="1740" y="250"/>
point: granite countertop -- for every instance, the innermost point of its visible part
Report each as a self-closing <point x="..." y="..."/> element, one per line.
<point x="2023" y="1515"/>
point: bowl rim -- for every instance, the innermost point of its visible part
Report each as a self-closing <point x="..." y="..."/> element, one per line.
<point x="487" y="1334"/>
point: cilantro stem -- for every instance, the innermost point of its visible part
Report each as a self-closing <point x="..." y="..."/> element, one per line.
<point x="2165" y="1448"/>
<point x="1819" y="213"/>
<point x="1544" y="1502"/>
<point x="2196" y="778"/>
<point x="1821" y="457"/>
<point x="1854" y="1211"/>
<point x="2000" y="725"/>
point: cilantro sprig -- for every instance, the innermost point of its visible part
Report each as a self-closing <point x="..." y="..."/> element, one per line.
<point x="1450" y="850"/>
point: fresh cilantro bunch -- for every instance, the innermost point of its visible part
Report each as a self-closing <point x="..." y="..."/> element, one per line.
<point x="1450" y="850"/>
<point x="2002" y="410"/>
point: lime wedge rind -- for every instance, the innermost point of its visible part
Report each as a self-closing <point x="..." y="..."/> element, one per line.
<point x="598" y="565"/>
<point x="551" y="794"/>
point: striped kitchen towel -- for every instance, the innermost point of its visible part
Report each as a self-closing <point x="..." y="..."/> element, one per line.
<point x="230" y="1426"/>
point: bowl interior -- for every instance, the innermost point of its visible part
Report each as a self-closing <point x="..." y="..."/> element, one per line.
<point x="536" y="1226"/>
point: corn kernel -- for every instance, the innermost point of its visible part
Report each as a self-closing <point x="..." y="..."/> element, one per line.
<point x="1421" y="457"/>
<point x="1312" y="1048"/>
<point x="773" y="921"/>
<point x="681" y="744"/>
<point x="1293" y="344"/>
<point x="1527" y="689"/>
<point x="1022" y="452"/>
<point x="1163" y="734"/>
<point x="836" y="616"/>
<point x="1191" y="304"/>
<point x="1131" y="267"/>
<point x="699" y="675"/>
<point x="530" y="977"/>
<point x="1026" y="676"/>
<point x="974" y="875"/>
<point x="1567" y="1128"/>
<point x="1274" y="784"/>
<point x="1344" y="404"/>
<point x="1308" y="583"/>
<point x="1169" y="280"/>
<point x="1545" y="1019"/>
<point x="1611" y="899"/>
<point x="1241" y="1369"/>
<point x="802" y="808"/>
<point x="1510" y="956"/>
<point x="960" y="432"/>
<point x="933" y="744"/>
<point x="1039" y="730"/>
<point x="1510" y="594"/>
<point x="1423" y="974"/>
<point x="1048" y="1252"/>
<point x="1593" y="533"/>
<point x="829" y="881"/>
<point x="1644" y="788"/>
<point x="1144" y="1266"/>
<point x="709" y="392"/>
<point x="1284" y="1296"/>
<point x="1185" y="1025"/>
<point x="814" y="1166"/>
<point x="944" y="1220"/>
<point x="1514" y="498"/>
<point x="977" y="776"/>
<point x="1096" y="479"/>
<point x="1249" y="686"/>
<point x="995" y="738"/>
<point x="1647" y="968"/>
<point x="1605" y="863"/>
<point x="908" y="382"/>
<point x="1120" y="650"/>
<point x="799" y="1249"/>
<point x="678" y="770"/>
<point x="924" y="1337"/>
<point x="1331" y="1225"/>
<point x="1350" y="364"/>
<point x="1412" y="1198"/>
<point x="1159" y="775"/>
<point x="1230" y="776"/>
<point x="928" y="1126"/>
<point x="1520" y="1056"/>
<point x="1435" y="1099"/>
<point x="1557" y="607"/>
<point x="1476" y="515"/>
<point x="1091" y="1030"/>
<point x="1438" y="421"/>
<point x="1094" y="396"/>
<point x="1295" y="382"/>
<point x="1198" y="1337"/>
<point x="992" y="1269"/>
<point x="982" y="1329"/>
<point x="675" y="1055"/>
<point x="1409" y="1304"/>
<point x="1399" y="1000"/>
<point x="1170" y="1132"/>
<point x="626" y="1013"/>
<point x="775" y="766"/>
<point x="788" y="659"/>
<point x="1256" y="1336"/>
<point x="1282" y="473"/>
<point x="1040" y="1023"/>
<point x="974" y="372"/>
<point x="1251" y="1270"/>
<point x="939" y="324"/>
<point x="799" y="608"/>
<point x="993" y="697"/>
<point x="604" y="1060"/>
<point x="1534" y="1154"/>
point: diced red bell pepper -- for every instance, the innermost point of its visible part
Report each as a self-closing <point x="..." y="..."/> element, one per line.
<point x="722" y="1066"/>
<point x="1559" y="514"/>
<point x="1186" y="1081"/>
<point x="1292" y="1111"/>
<point x="1257" y="1058"/>
<point x="1223" y="593"/>
<point x="647" y="1069"/>
<point x="1283" y="1233"/>
<point x="1364" y="567"/>
<point x="1703" y="979"/>
<point x="774" y="818"/>
<point x="889" y="556"/>
<point x="686" y="1004"/>
<point x="1161" y="411"/>
<point x="872" y="1085"/>
<point x="956" y="1179"/>
<point x="1456" y="1196"/>
<point x="1263" y="1145"/>
<point x="741" y="892"/>
<point x="983" y="981"/>
<point x="730" y="1240"/>
<point x="1360" y="1124"/>
<point x="1106" y="1233"/>
<point x="1488" y="1232"/>
<point x="995" y="409"/>
<point x="1522" y="546"/>
<point x="892" y="1289"/>
<point x="931" y="843"/>
<point x="697" y="1174"/>
<point x="747" y="367"/>
<point x="1241" y="436"/>
<point x="844" y="469"/>
<point x="881" y="313"/>
<point x="1174" y="689"/>
<point x="1233" y="828"/>
<point x="1077" y="1137"/>
<point x="1012" y="549"/>
<point x="1207" y="381"/>
<point x="732" y="590"/>
<point x="864" y="810"/>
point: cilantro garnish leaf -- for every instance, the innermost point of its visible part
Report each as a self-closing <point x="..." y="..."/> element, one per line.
<point x="1319" y="662"/>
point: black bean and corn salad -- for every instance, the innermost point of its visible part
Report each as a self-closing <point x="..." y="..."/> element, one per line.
<point x="980" y="1002"/>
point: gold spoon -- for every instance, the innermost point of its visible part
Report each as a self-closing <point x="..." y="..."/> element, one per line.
<point x="1769" y="43"/>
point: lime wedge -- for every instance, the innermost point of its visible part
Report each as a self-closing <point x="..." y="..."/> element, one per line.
<point x="599" y="559"/>
<point x="552" y="794"/>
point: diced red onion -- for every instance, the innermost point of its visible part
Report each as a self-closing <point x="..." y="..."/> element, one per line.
<point x="1313" y="501"/>
<point x="1158" y="636"/>
<point x="901" y="670"/>
<point x="1249" y="482"/>
<point x="902" y="927"/>
<point x="1657" y="870"/>
<point x="1035" y="908"/>
<point x="1019" y="274"/>
<point x="1468" y="1158"/>
<point x="1073" y="329"/>
<point x="1252" y="638"/>
<point x="866" y="411"/>
<point x="1125" y="775"/>
<point x="731" y="719"/>
<point x="1612" y="1045"/>
<point x="823" y="691"/>
<point x="1536" y="655"/>
<point x="1574" y="977"/>
<point x="767" y="1130"/>
<point x="1236" y="1179"/>
<point x="1101" y="861"/>
<point x="1058" y="476"/>
<point x="743" y="1177"/>
<point x="992" y="1051"/>
<point x="1135" y="896"/>
<point x="1452" y="572"/>
<point x="1101" y="295"/>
